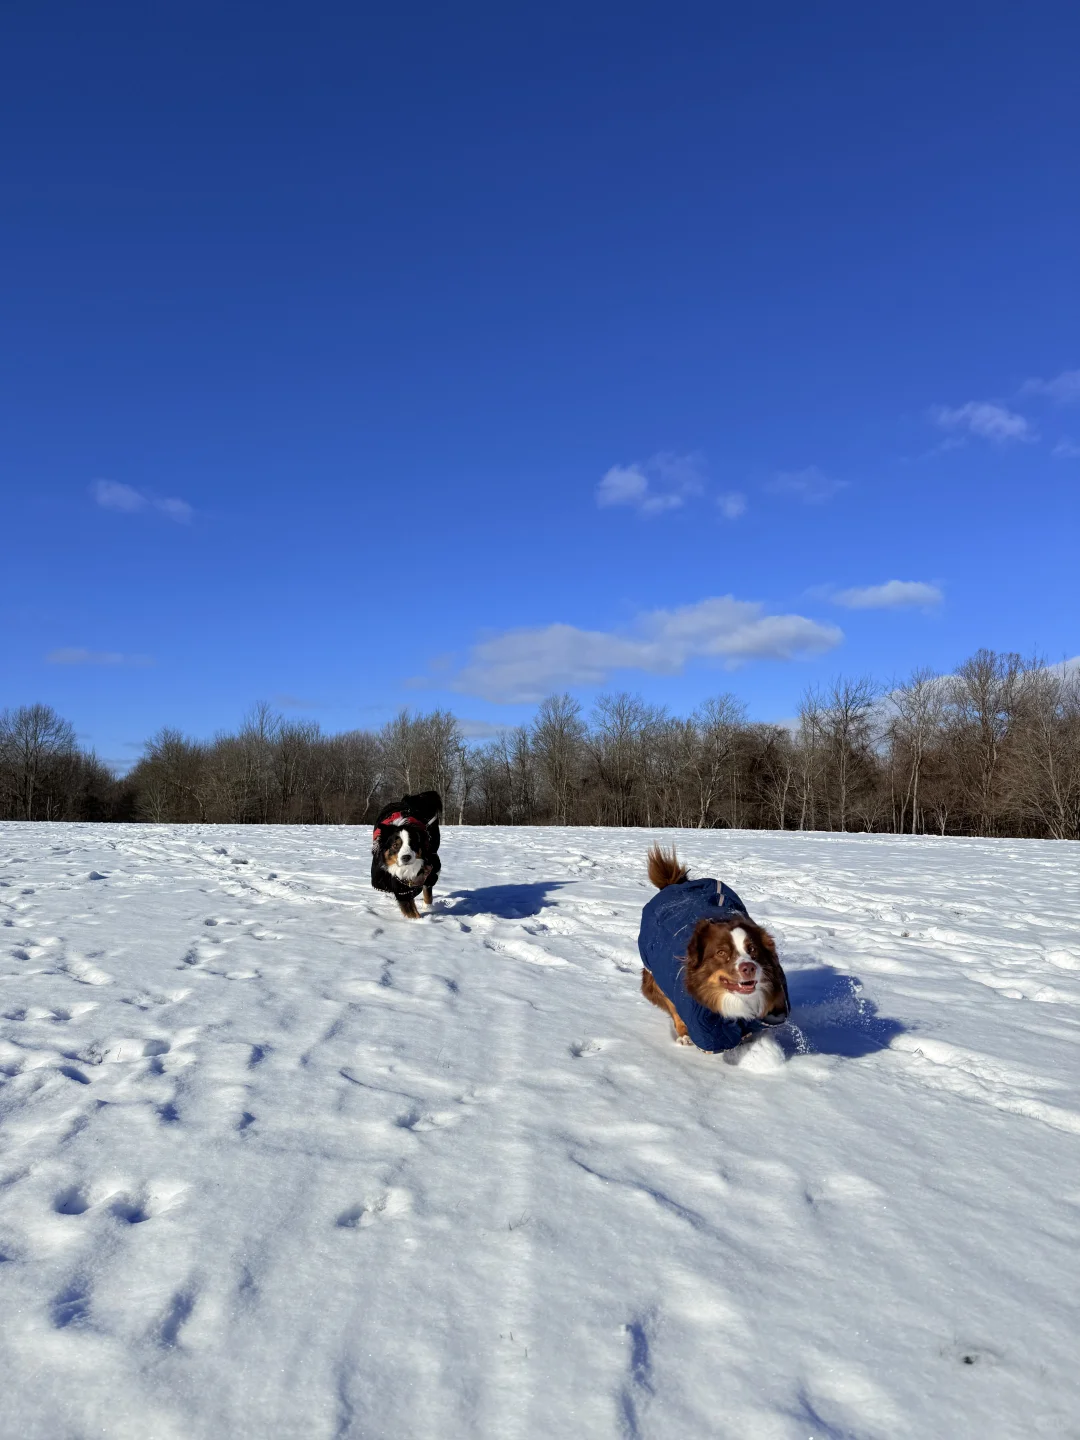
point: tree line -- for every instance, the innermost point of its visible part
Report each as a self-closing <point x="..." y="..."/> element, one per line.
<point x="992" y="749"/>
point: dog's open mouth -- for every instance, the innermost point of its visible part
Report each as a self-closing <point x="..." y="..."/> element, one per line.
<point x="741" y="987"/>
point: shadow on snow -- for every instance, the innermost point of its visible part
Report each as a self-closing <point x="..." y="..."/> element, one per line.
<point x="833" y="1017"/>
<point x="512" y="902"/>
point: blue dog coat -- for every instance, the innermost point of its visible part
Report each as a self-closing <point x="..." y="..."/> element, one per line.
<point x="667" y="922"/>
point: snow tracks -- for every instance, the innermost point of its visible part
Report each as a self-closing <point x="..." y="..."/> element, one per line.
<point x="274" y="1161"/>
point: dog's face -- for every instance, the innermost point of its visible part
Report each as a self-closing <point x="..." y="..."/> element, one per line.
<point x="401" y="851"/>
<point x="732" y="969"/>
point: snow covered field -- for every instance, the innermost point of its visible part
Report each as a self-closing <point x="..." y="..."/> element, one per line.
<point x="276" y="1163"/>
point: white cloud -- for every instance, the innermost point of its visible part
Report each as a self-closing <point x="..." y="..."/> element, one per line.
<point x="526" y="665"/>
<point x="810" y="486"/>
<point x="893" y="595"/>
<point x="178" y="510"/>
<point x="1064" y="388"/>
<point x="75" y="655"/>
<point x="626" y="485"/>
<point x="1067" y="450"/>
<point x="664" y="482"/>
<point x="481" y="729"/>
<point x="111" y="495"/>
<point x="731" y="505"/>
<point x="986" y="420"/>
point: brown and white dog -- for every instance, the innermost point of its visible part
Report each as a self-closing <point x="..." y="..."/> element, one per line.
<point x="729" y="965"/>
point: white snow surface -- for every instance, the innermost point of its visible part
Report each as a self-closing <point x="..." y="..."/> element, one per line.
<point x="276" y="1162"/>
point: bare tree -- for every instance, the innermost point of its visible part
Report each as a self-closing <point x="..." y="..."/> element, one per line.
<point x="440" y="761"/>
<point x="717" y="722"/>
<point x="846" y="726"/>
<point x="614" y="745"/>
<point x="776" y="758"/>
<point x="293" y="748"/>
<point x="671" y="742"/>
<point x="357" y="762"/>
<point x="1046" y="766"/>
<point x="919" y="707"/>
<point x="986" y="691"/>
<point x="33" y="739"/>
<point x="810" y="744"/>
<point x="258" y="738"/>
<point x="463" y="778"/>
<point x="402" y="742"/>
<point x="558" y="734"/>
<point x="175" y="774"/>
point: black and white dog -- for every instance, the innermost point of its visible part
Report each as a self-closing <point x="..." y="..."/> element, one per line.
<point x="405" y="850"/>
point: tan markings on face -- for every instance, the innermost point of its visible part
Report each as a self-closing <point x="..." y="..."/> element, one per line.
<point x="404" y="858"/>
<point x="725" y="971"/>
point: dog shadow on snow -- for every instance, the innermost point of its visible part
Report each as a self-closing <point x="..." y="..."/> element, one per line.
<point x="831" y="1016"/>
<point x="510" y="902"/>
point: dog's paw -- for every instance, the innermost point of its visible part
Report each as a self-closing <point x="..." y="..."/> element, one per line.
<point x="683" y="1040"/>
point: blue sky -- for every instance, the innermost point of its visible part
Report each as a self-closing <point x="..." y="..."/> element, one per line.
<point x="356" y="357"/>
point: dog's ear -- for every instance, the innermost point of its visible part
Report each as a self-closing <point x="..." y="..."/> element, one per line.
<point x="695" y="951"/>
<point x="780" y="1008"/>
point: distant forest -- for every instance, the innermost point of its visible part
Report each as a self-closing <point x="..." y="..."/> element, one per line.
<point x="993" y="749"/>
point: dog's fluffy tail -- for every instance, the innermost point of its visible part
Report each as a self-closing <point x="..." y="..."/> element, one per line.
<point x="665" y="869"/>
